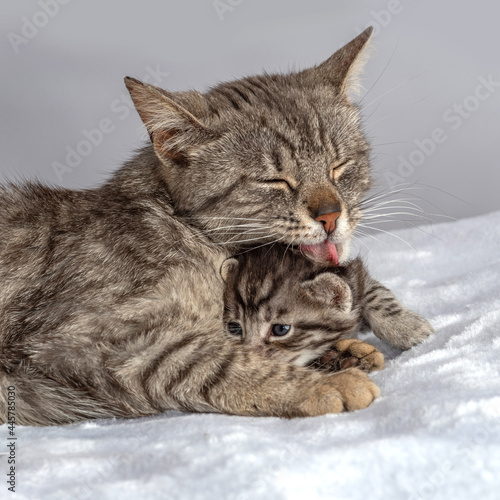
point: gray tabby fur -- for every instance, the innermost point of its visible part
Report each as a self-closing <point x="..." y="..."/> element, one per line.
<point x="111" y="298"/>
<point x="321" y="304"/>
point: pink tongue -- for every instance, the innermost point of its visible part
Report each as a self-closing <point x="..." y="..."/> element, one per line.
<point x="326" y="251"/>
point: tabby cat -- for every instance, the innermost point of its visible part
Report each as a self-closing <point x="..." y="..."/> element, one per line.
<point x="111" y="299"/>
<point x="292" y="309"/>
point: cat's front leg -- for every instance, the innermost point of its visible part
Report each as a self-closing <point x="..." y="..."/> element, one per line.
<point x="261" y="387"/>
<point x="390" y="320"/>
<point x="205" y="373"/>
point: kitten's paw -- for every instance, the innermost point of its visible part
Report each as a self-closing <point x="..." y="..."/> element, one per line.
<point x="405" y="330"/>
<point x="418" y="330"/>
<point x="348" y="353"/>
<point x="349" y="390"/>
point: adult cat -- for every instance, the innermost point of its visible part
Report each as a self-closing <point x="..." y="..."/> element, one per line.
<point x="111" y="299"/>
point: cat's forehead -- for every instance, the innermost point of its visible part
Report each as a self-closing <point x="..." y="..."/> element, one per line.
<point x="283" y="124"/>
<point x="277" y="102"/>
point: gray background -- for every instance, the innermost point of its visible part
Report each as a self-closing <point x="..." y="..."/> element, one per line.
<point x="65" y="77"/>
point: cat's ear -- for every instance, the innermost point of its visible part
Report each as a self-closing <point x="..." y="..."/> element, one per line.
<point x="172" y="128"/>
<point x="328" y="289"/>
<point x="342" y="70"/>
<point x="228" y="267"/>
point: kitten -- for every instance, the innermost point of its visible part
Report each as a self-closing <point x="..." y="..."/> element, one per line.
<point x="111" y="299"/>
<point x="292" y="309"/>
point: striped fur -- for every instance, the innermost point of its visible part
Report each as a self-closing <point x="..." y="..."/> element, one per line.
<point x="111" y="298"/>
<point x="322" y="305"/>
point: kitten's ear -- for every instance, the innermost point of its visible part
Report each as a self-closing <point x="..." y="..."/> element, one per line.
<point x="342" y="70"/>
<point x="172" y="128"/>
<point x="328" y="289"/>
<point x="228" y="267"/>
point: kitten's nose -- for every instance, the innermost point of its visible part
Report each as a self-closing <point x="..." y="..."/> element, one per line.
<point x="328" y="215"/>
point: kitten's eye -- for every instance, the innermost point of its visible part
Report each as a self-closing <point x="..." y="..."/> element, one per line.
<point x="234" y="328"/>
<point x="281" y="330"/>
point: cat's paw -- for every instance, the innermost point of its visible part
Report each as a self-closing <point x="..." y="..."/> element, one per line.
<point x="404" y="330"/>
<point x="349" y="390"/>
<point x="349" y="353"/>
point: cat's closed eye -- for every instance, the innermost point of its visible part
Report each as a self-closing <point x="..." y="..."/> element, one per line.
<point x="338" y="169"/>
<point x="234" y="328"/>
<point x="283" y="183"/>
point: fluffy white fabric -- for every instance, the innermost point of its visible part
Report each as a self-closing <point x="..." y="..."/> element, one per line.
<point x="433" y="434"/>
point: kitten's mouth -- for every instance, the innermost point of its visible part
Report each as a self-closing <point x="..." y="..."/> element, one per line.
<point x="324" y="252"/>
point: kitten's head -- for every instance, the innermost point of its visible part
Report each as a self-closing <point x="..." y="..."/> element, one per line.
<point x="266" y="158"/>
<point x="284" y="306"/>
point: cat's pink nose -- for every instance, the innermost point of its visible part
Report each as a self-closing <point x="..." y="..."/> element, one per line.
<point x="329" y="220"/>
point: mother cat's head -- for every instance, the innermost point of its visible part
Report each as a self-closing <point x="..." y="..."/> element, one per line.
<point x="266" y="158"/>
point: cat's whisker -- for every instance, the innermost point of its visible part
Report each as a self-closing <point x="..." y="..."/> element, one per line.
<point x="398" y="112"/>
<point x="234" y="227"/>
<point x="284" y="254"/>
<point x="372" y="236"/>
<point x="392" y="234"/>
<point x="407" y="188"/>
<point x="381" y="201"/>
<point x="373" y="112"/>
<point x="378" y="78"/>
<point x="421" y="229"/>
<point x="384" y="193"/>
<point x="391" y="89"/>
<point x="395" y="212"/>
<point x="229" y="218"/>
<point x="247" y="232"/>
<point x="247" y="240"/>
<point x="389" y="143"/>
<point x="375" y="217"/>
<point x="406" y="204"/>
<point x="263" y="245"/>
<point x="360" y="240"/>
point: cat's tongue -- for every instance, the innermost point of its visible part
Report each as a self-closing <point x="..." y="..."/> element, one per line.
<point x="326" y="251"/>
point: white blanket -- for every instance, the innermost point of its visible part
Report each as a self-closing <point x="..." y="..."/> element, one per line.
<point x="433" y="434"/>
